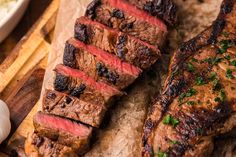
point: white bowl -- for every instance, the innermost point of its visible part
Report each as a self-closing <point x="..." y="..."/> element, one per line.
<point x="8" y="23"/>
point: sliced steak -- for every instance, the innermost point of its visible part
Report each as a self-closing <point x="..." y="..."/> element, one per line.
<point x="199" y="97"/>
<point x="60" y="104"/>
<point x="127" y="48"/>
<point x="64" y="131"/>
<point x="39" y="146"/>
<point x="128" y="19"/>
<point x="164" y="9"/>
<point x="79" y="84"/>
<point x="98" y="64"/>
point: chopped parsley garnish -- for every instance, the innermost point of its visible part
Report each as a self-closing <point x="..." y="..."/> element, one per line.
<point x="224" y="45"/>
<point x="189" y="93"/>
<point x="199" y="81"/>
<point x="222" y="95"/>
<point x="233" y="63"/>
<point x="194" y="60"/>
<point x="213" y="76"/>
<point x="191" y="103"/>
<point x="170" y="120"/>
<point x="216" y="84"/>
<point x="229" y="74"/>
<point x="228" y="57"/>
<point x="190" y="67"/>
<point x="160" y="153"/>
<point x="225" y="34"/>
<point x="173" y="142"/>
<point x="217" y="99"/>
<point x="216" y="60"/>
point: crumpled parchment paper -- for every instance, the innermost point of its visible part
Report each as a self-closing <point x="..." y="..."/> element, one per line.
<point x="121" y="135"/>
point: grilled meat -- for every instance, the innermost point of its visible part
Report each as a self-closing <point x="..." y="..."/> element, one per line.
<point x="60" y="104"/>
<point x="127" y="48"/>
<point x="78" y="84"/>
<point x="128" y="19"/>
<point x="99" y="64"/>
<point x="199" y="97"/>
<point x="164" y="9"/>
<point x="64" y="131"/>
<point x="38" y="146"/>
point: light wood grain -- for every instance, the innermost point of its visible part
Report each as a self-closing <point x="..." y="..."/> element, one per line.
<point x="28" y="46"/>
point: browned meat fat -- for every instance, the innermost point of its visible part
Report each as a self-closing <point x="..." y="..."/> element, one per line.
<point x="99" y="64"/>
<point x="78" y="84"/>
<point x="70" y="107"/>
<point x="64" y="131"/>
<point x="128" y="19"/>
<point x="199" y="96"/>
<point x="127" y="48"/>
<point x="39" y="146"/>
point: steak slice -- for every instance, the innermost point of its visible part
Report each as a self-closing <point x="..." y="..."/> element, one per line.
<point x="60" y="104"/>
<point x="79" y="84"/>
<point x="127" y="48"/>
<point x="199" y="96"/>
<point x="128" y="19"/>
<point x="163" y="9"/>
<point x="37" y="146"/>
<point x="98" y="64"/>
<point x="64" y="131"/>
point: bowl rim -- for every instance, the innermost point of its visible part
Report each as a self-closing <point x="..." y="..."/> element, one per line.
<point x="11" y="12"/>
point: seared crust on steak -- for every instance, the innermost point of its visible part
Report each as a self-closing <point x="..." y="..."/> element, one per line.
<point x="99" y="64"/>
<point x="126" y="47"/>
<point x="164" y="9"/>
<point x="64" y="131"/>
<point x="79" y="84"/>
<point x="38" y="146"/>
<point x="199" y="95"/>
<point x="63" y="105"/>
<point x="103" y="12"/>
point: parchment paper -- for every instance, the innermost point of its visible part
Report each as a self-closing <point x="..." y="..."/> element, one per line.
<point x="121" y="137"/>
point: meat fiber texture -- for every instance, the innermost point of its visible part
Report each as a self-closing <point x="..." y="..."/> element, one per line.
<point x="121" y="136"/>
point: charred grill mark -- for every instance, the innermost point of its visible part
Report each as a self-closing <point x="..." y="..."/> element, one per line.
<point x="121" y="46"/>
<point x="38" y="141"/>
<point x="127" y="26"/>
<point x="164" y="9"/>
<point x="104" y="72"/>
<point x="69" y="56"/>
<point x="51" y="95"/>
<point x="177" y="149"/>
<point x="61" y="82"/>
<point x="194" y="124"/>
<point x="91" y="9"/>
<point x="77" y="91"/>
<point x="81" y="32"/>
<point x="117" y="13"/>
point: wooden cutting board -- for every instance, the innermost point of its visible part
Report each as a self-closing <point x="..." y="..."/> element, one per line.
<point x="21" y="75"/>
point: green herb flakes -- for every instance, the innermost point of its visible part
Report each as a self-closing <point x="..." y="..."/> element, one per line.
<point x="233" y="63"/>
<point x="228" y="57"/>
<point x="189" y="93"/>
<point x="222" y="95"/>
<point x="217" y="99"/>
<point x="229" y="74"/>
<point x="213" y="76"/>
<point x="170" y="120"/>
<point x="199" y="81"/>
<point x="160" y="153"/>
<point x="191" y="103"/>
<point x="224" y="45"/>
<point x="190" y="67"/>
